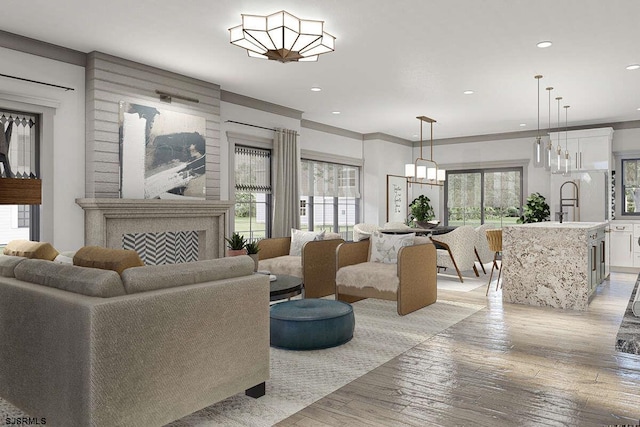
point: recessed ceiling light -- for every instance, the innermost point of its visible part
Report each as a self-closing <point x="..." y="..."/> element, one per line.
<point x="335" y="112"/>
<point x="633" y="66"/>
<point x="638" y="109"/>
<point x="522" y="125"/>
<point x="415" y="136"/>
<point x="543" y="44"/>
<point x="468" y="92"/>
<point x="316" y="89"/>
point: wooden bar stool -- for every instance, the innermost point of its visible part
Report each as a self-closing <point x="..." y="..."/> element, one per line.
<point x="494" y="238"/>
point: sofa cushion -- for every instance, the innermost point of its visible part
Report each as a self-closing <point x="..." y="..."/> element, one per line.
<point x="287" y="264"/>
<point x="30" y="249"/>
<point x="377" y="275"/>
<point x="299" y="238"/>
<point x="117" y="260"/>
<point x="331" y="236"/>
<point x="153" y="277"/>
<point x="81" y="280"/>
<point x="385" y="247"/>
<point x="8" y="263"/>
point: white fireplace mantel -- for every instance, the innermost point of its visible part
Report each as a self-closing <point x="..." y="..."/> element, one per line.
<point x="107" y="220"/>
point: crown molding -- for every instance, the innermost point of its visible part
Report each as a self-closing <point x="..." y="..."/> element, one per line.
<point x="257" y="104"/>
<point x="321" y="127"/>
<point x="43" y="49"/>
<point x="388" y="138"/>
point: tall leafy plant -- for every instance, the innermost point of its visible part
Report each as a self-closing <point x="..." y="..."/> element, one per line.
<point x="421" y="209"/>
<point x="536" y="210"/>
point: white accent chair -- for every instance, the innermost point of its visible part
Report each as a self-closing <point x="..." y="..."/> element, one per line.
<point x="363" y="231"/>
<point x="458" y="250"/>
<point x="483" y="253"/>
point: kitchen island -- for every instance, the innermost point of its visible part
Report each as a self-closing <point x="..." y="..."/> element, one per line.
<point x="553" y="264"/>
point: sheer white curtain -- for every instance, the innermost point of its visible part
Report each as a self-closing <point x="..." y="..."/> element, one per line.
<point x="286" y="192"/>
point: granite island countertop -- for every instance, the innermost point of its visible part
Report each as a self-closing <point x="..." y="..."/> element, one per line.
<point x="551" y="263"/>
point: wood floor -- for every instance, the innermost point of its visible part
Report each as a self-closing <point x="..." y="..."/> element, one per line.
<point x="507" y="365"/>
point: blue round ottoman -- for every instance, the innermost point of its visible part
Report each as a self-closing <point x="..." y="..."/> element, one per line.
<point x="311" y="324"/>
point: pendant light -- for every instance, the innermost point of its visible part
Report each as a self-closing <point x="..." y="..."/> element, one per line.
<point x="566" y="164"/>
<point x="556" y="158"/>
<point x="538" y="160"/>
<point x="548" y="149"/>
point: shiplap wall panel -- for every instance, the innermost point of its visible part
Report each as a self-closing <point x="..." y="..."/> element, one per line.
<point x="111" y="80"/>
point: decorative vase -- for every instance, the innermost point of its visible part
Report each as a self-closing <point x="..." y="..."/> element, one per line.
<point x="254" y="257"/>
<point x="427" y="224"/>
<point x="236" y="252"/>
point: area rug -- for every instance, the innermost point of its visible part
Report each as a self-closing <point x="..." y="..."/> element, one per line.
<point x="300" y="378"/>
<point x="451" y="282"/>
<point x="628" y="338"/>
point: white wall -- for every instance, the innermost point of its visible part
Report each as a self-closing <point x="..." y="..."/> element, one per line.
<point x="62" y="154"/>
<point x="381" y="158"/>
<point x="625" y="140"/>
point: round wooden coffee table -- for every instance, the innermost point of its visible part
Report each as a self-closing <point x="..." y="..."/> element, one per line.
<point x="285" y="287"/>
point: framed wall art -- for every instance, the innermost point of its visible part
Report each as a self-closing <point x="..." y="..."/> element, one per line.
<point x="396" y="198"/>
<point x="162" y="153"/>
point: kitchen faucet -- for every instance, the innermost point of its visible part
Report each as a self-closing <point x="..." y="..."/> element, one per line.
<point x="575" y="202"/>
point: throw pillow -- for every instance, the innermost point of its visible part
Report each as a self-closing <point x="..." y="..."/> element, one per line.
<point x="29" y="249"/>
<point x="385" y="247"/>
<point x="107" y="259"/>
<point x="299" y="238"/>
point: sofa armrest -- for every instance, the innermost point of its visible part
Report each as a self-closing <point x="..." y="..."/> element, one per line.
<point x="418" y="277"/>
<point x="140" y="359"/>
<point x="349" y="253"/>
<point x="274" y="247"/>
<point x="319" y="267"/>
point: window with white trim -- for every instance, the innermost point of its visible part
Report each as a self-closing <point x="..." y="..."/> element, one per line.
<point x="252" y="192"/>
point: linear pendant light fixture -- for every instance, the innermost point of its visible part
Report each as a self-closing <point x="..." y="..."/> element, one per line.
<point x="548" y="150"/>
<point x="538" y="160"/>
<point x="556" y="166"/>
<point x="566" y="165"/>
<point x="282" y="37"/>
<point x="422" y="174"/>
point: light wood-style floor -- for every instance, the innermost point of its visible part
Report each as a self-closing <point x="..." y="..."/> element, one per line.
<point x="507" y="365"/>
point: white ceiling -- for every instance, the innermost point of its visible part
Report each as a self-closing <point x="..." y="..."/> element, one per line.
<point x="394" y="60"/>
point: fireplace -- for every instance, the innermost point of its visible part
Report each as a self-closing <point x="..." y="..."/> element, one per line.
<point x="124" y="223"/>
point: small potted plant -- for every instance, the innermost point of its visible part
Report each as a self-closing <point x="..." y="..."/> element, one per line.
<point x="421" y="212"/>
<point x="252" y="250"/>
<point x="236" y="245"/>
<point x="536" y="210"/>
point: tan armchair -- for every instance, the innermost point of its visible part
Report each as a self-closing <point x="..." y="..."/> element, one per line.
<point x="316" y="266"/>
<point x="411" y="282"/>
<point x="459" y="250"/>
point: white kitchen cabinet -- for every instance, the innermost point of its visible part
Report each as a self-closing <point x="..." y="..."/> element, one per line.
<point x="590" y="149"/>
<point x="621" y="245"/>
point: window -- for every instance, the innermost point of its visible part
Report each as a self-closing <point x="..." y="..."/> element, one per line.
<point x="331" y="197"/>
<point x="253" y="192"/>
<point x="21" y="160"/>
<point x="482" y="196"/>
<point x="631" y="187"/>
<point x="23" y="216"/>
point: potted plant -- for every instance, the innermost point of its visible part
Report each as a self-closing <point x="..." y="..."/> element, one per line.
<point x="536" y="210"/>
<point x="252" y="250"/>
<point x="421" y="212"/>
<point x="236" y="245"/>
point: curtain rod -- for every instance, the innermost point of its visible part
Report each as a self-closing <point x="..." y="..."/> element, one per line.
<point x="35" y="81"/>
<point x="254" y="126"/>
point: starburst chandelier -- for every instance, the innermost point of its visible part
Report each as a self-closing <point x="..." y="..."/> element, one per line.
<point x="282" y="37"/>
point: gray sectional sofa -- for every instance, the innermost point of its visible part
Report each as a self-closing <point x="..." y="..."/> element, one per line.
<point x="88" y="347"/>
